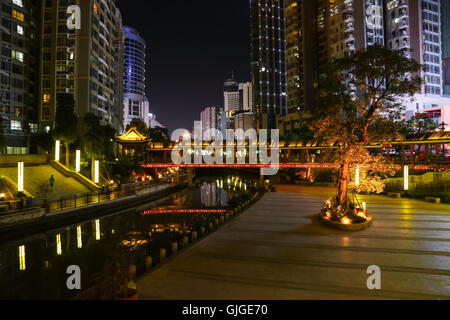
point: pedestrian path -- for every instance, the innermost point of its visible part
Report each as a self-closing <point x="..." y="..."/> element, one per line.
<point x="278" y="250"/>
<point x="36" y="176"/>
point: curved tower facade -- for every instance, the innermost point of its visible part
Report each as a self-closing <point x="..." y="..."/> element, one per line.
<point x="135" y="103"/>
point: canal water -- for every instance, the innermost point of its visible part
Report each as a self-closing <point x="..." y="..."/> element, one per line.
<point x="35" y="267"/>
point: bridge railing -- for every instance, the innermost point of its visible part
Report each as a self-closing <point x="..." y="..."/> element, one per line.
<point x="78" y="200"/>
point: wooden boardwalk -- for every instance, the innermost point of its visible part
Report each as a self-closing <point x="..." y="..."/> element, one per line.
<point x="278" y="250"/>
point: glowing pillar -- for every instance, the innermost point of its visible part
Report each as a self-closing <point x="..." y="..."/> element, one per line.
<point x="57" y="147"/>
<point x="22" y="264"/>
<point x="58" y="245"/>
<point x="97" y="230"/>
<point x="364" y="205"/>
<point x="406" y="178"/>
<point x="357" y="176"/>
<point x="79" y="238"/>
<point x="97" y="172"/>
<point x="20" y="176"/>
<point x="78" y="161"/>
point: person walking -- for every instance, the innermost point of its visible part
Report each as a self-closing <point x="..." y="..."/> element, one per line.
<point x="52" y="182"/>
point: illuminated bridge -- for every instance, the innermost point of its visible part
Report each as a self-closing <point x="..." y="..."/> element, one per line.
<point x="428" y="152"/>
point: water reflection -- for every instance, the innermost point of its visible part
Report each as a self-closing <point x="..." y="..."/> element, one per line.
<point x="213" y="195"/>
<point x="35" y="267"/>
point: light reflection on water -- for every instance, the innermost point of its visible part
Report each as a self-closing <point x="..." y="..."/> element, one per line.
<point x="35" y="267"/>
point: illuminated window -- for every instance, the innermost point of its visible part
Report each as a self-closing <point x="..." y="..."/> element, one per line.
<point x="95" y="8"/>
<point x="18" y="15"/>
<point x="19" y="29"/>
<point x="16" y="125"/>
<point x="17" y="55"/>
<point x="18" y="3"/>
<point x="46" y="98"/>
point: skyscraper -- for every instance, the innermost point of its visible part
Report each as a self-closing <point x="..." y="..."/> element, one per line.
<point x="231" y="95"/>
<point x="319" y="31"/>
<point x="418" y="26"/>
<point x="246" y="96"/>
<point x="209" y="120"/>
<point x="19" y="73"/>
<point x="135" y="103"/>
<point x="268" y="60"/>
<point x="85" y="62"/>
<point x="446" y="45"/>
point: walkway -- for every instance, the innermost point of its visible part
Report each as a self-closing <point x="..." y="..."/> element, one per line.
<point x="279" y="250"/>
<point x="36" y="176"/>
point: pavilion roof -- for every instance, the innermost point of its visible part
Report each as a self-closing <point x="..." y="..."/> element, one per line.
<point x="133" y="136"/>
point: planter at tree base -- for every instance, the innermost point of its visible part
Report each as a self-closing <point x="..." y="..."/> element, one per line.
<point x="132" y="294"/>
<point x="346" y="227"/>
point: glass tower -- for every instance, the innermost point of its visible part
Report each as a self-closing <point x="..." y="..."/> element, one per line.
<point x="268" y="60"/>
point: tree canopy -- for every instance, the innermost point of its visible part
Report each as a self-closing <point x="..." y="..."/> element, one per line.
<point x="66" y="120"/>
<point x="360" y="98"/>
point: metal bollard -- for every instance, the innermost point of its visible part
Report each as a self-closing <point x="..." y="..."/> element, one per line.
<point x="162" y="254"/>
<point x="186" y="241"/>
<point x="148" y="262"/>
<point x="222" y="219"/>
<point x="203" y="231"/>
<point x="174" y="247"/>
<point x="132" y="271"/>
<point x="194" y="236"/>
<point x="227" y="216"/>
<point x="210" y="226"/>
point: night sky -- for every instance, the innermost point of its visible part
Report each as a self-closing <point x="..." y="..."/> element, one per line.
<point x="192" y="48"/>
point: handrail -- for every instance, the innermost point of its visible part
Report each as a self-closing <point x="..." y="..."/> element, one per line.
<point x="77" y="200"/>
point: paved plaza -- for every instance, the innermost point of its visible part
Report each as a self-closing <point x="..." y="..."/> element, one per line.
<point x="278" y="250"/>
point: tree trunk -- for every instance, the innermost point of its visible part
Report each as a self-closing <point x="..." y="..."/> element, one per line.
<point x="67" y="156"/>
<point x="344" y="176"/>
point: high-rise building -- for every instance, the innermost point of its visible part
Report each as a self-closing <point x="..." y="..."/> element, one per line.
<point x="268" y="60"/>
<point x="19" y="73"/>
<point x="208" y="118"/>
<point x="237" y="96"/>
<point x="416" y="25"/>
<point x="446" y="45"/>
<point x="85" y="62"/>
<point x="231" y="95"/>
<point x="244" y="121"/>
<point x="419" y="27"/>
<point x="136" y="104"/>
<point x="246" y="96"/>
<point x="320" y="31"/>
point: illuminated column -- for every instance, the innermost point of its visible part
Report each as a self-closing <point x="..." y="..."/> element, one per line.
<point x="57" y="147"/>
<point x="22" y="264"/>
<point x="78" y="161"/>
<point x="20" y="176"/>
<point x="97" y="230"/>
<point x="79" y="238"/>
<point x="58" y="245"/>
<point x="357" y="176"/>
<point x="406" y="178"/>
<point x="96" y="172"/>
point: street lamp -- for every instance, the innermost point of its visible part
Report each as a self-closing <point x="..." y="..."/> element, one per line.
<point x="57" y="147"/>
<point x="96" y="172"/>
<point x="78" y="161"/>
<point x="406" y="178"/>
